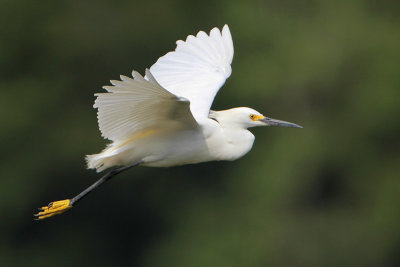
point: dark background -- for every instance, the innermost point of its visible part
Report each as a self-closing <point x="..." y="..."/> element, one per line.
<point x="325" y="195"/>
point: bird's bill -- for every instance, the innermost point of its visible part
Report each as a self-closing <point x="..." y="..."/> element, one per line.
<point x="274" y="122"/>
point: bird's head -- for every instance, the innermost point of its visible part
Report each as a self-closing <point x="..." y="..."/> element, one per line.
<point x="246" y="117"/>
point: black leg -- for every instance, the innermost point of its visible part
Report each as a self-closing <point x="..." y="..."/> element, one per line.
<point x="103" y="179"/>
<point x="58" y="207"/>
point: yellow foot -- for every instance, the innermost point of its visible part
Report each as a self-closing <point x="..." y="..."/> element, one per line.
<point x="54" y="208"/>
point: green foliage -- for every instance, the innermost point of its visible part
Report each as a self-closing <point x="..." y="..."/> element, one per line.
<point x="325" y="195"/>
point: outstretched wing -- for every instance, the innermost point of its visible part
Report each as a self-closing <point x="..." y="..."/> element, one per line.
<point x="197" y="68"/>
<point x="132" y="106"/>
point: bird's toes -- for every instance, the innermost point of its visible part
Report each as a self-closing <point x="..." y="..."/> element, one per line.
<point x="53" y="208"/>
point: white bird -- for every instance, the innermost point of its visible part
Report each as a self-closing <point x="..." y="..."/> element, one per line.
<point x="164" y="119"/>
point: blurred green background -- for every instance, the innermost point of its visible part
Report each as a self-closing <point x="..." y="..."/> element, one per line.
<point x="326" y="195"/>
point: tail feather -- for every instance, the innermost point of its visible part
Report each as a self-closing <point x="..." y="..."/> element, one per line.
<point x="92" y="162"/>
<point x="115" y="154"/>
<point x="102" y="161"/>
<point x="96" y="161"/>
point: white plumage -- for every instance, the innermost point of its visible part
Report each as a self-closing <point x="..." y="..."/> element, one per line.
<point x="164" y="119"/>
<point x="197" y="68"/>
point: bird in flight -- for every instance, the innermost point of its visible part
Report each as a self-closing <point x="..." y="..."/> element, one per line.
<point x="164" y="119"/>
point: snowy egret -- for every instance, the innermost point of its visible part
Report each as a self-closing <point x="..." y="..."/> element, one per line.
<point x="164" y="119"/>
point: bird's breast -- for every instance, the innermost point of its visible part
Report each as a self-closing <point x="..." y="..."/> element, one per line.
<point x="230" y="144"/>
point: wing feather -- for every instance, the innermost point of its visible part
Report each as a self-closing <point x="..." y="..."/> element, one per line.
<point x="197" y="68"/>
<point x="132" y="106"/>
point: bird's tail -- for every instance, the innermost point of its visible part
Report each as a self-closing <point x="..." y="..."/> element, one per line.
<point x="102" y="161"/>
<point x="95" y="161"/>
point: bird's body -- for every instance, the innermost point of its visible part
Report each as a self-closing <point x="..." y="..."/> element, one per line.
<point x="164" y="119"/>
<point x="166" y="147"/>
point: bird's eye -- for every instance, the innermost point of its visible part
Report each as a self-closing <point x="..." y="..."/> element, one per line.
<point x="255" y="117"/>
